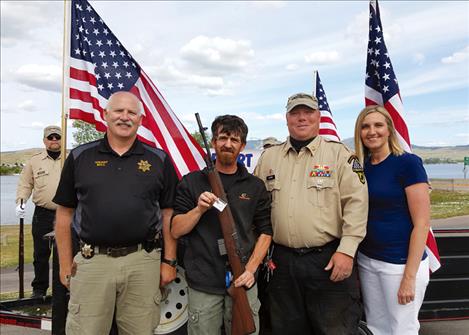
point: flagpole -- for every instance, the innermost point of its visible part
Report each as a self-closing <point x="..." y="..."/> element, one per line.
<point x="66" y="47"/>
<point x="315" y="80"/>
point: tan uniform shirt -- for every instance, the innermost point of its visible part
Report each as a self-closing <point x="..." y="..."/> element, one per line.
<point x="318" y="194"/>
<point x="40" y="176"/>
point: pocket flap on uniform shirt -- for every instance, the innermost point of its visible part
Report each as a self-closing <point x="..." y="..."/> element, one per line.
<point x="272" y="185"/>
<point x="40" y="173"/>
<point x="320" y="183"/>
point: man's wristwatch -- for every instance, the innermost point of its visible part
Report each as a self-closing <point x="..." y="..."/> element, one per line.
<point x="170" y="262"/>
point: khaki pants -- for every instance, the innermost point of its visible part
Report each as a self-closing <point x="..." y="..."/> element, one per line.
<point x="128" y="286"/>
<point x="208" y="312"/>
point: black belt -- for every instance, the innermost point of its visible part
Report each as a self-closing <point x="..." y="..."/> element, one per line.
<point x="40" y="208"/>
<point x="117" y="252"/>
<point x="304" y="251"/>
<point x="89" y="250"/>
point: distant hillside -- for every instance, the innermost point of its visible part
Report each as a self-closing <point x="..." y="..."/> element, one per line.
<point x="454" y="153"/>
<point x="449" y="154"/>
<point x="253" y="144"/>
<point x="17" y="157"/>
<point x="428" y="154"/>
<point x="432" y="154"/>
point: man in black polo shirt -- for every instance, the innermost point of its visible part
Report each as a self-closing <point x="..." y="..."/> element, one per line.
<point x="121" y="192"/>
<point x="194" y="217"/>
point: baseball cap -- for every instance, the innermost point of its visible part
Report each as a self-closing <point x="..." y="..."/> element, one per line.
<point x="49" y="130"/>
<point x="269" y="141"/>
<point x="302" y="99"/>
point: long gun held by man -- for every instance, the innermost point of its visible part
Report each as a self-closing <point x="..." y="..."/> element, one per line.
<point x="242" y="321"/>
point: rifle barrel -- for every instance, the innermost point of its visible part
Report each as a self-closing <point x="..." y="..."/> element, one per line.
<point x="204" y="138"/>
<point x="21" y="257"/>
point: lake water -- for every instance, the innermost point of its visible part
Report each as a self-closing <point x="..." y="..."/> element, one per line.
<point x="9" y="183"/>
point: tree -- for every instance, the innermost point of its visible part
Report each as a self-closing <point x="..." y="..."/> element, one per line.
<point x="198" y="137"/>
<point x="85" y="132"/>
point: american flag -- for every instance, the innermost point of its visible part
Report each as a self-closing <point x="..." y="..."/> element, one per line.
<point x="99" y="65"/>
<point x="381" y="88"/>
<point x="327" y="126"/>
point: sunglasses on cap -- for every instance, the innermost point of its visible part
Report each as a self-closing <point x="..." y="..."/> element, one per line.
<point x="54" y="137"/>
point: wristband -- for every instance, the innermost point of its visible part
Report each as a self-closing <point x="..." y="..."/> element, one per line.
<point x="170" y="262"/>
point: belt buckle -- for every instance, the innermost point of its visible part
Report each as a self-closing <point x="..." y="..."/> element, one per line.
<point x="87" y="250"/>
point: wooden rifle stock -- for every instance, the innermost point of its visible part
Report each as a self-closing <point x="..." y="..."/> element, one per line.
<point x="242" y="321"/>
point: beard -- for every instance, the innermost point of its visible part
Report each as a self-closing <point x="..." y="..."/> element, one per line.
<point x="227" y="158"/>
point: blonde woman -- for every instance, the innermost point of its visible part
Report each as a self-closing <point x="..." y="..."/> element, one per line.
<point x="393" y="265"/>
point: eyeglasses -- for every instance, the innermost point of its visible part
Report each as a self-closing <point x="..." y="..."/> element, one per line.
<point x="54" y="137"/>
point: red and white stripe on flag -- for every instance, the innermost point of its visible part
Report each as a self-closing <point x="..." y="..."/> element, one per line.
<point x="381" y="88"/>
<point x="98" y="65"/>
<point x="327" y="127"/>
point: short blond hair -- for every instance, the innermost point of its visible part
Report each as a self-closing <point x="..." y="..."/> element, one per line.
<point x="394" y="146"/>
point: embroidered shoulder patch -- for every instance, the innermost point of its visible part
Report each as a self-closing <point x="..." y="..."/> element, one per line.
<point x="357" y="168"/>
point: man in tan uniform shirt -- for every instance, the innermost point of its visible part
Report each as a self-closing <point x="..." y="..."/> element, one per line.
<point x="319" y="214"/>
<point x="40" y="176"/>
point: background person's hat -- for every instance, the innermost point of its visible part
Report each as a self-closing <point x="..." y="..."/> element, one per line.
<point x="269" y="141"/>
<point x="302" y="99"/>
<point x="49" y="130"/>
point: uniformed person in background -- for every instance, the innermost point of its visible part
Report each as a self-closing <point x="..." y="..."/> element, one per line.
<point x="319" y="214"/>
<point x="121" y="192"/>
<point x="40" y="176"/>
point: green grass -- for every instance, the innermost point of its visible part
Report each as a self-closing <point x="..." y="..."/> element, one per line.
<point x="447" y="204"/>
<point x="9" y="245"/>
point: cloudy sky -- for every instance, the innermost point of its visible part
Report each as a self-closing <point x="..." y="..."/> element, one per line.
<point x="246" y="58"/>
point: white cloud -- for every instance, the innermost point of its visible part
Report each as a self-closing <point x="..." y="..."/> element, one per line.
<point x="27" y="106"/>
<point x="217" y="55"/>
<point x="219" y="92"/>
<point x="407" y="35"/>
<point x="457" y="57"/>
<point x="275" y="116"/>
<point x="433" y="117"/>
<point x="418" y="58"/>
<point x="43" y="77"/>
<point x="322" y="57"/>
<point x="171" y="74"/>
<point x="20" y="20"/>
<point x="462" y="138"/>
<point x="263" y="117"/>
<point x="34" y="125"/>
<point x="291" y="67"/>
<point x="358" y="28"/>
<point x="429" y="81"/>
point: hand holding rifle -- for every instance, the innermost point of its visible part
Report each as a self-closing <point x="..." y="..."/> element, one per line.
<point x="242" y="321"/>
